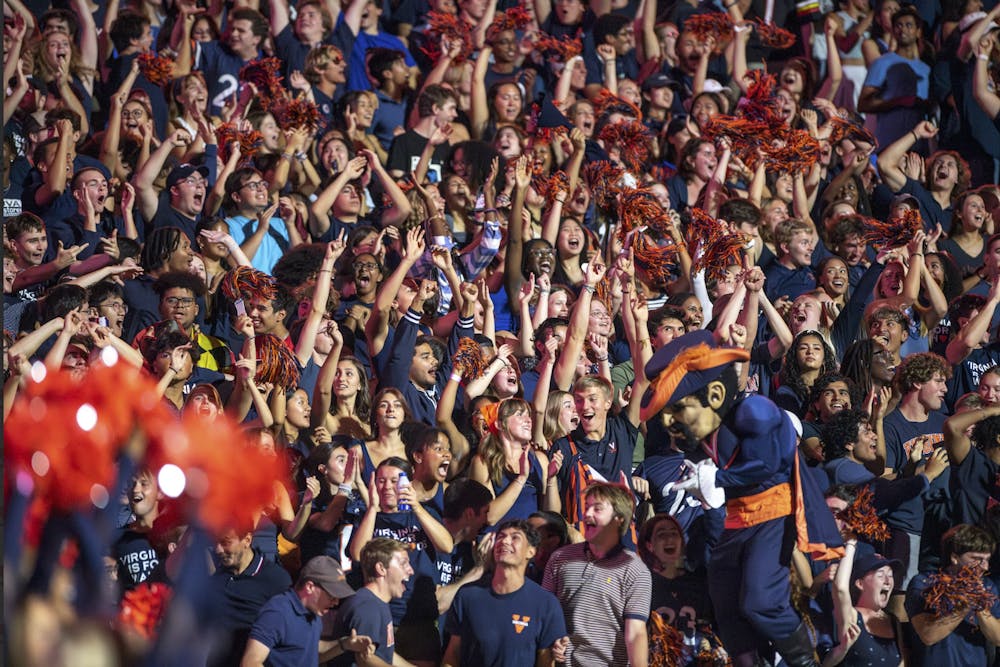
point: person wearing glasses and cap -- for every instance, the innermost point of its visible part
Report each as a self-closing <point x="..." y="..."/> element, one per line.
<point x="287" y="630"/>
<point x="694" y="393"/>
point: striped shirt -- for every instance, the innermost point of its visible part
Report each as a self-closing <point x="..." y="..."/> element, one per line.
<point x="597" y="595"/>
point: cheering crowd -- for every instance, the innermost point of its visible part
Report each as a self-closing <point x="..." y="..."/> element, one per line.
<point x="453" y="332"/>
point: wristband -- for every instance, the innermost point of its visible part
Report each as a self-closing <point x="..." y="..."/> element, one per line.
<point x="457" y="377"/>
<point x="983" y="57"/>
<point x="590" y="288"/>
<point x="286" y="156"/>
<point x="544" y="291"/>
<point x="915" y="137"/>
<point x="344" y="488"/>
<point x="301" y="156"/>
<point x="602" y="359"/>
<point x="251" y="337"/>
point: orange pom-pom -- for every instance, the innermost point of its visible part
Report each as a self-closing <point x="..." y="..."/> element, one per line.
<point x="514" y="18"/>
<point x="604" y="178"/>
<point x="468" y="359"/>
<point x="295" y="114"/>
<point x="249" y="142"/>
<point x="894" y="232"/>
<point x="632" y="140"/>
<point x="66" y="432"/>
<point x="245" y="282"/>
<point x="275" y="362"/>
<point x="143" y="608"/>
<point x="666" y="643"/>
<point x="962" y="591"/>
<point x="158" y="69"/>
<point x="711" y="24"/>
<point x="559" y="49"/>
<point x="265" y="75"/>
<point x="774" y="36"/>
<point x="443" y="25"/>
<point x="860" y="517"/>
<point x="225" y="482"/>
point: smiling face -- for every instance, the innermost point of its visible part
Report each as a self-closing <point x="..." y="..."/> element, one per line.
<point x="367" y="275"/>
<point x="505" y="47"/>
<point x="569" y="419"/>
<point x="507" y="143"/>
<point x="599" y="520"/>
<point x="505" y="383"/>
<point x="263" y="316"/>
<point x="973" y="213"/>
<point x="833" y="399"/>
<point x="704" y="161"/>
<point x="231" y="549"/>
<point x="145" y="495"/>
<point x="592" y="405"/>
<point x="194" y="94"/>
<point x="703" y="110"/>
<point x="694" y="316"/>
<point x="386" y="482"/>
<point x="666" y="544"/>
<point x="365" y="106"/>
<point x="989" y="388"/>
<point x="114" y="309"/>
<point x="600" y="319"/>
<point x="834" y="278"/>
<point x="507" y="103"/>
<point x="559" y="304"/>
<point x="511" y="548"/>
<point x="571" y="241"/>
<point x="518" y="426"/>
<point x="583" y="117"/>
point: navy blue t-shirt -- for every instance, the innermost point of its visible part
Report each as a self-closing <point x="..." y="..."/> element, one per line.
<point x="504" y="630"/>
<point x="370" y="616"/>
<point x="901" y="436"/>
<point x="966" y="645"/>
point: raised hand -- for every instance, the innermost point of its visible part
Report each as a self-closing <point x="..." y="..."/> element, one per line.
<point x="312" y="489"/>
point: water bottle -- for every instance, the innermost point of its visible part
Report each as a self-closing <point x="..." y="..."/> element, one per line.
<point x="403" y="483"/>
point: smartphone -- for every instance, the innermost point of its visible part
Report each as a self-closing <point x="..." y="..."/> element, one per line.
<point x="103" y="321"/>
<point x="241" y="309"/>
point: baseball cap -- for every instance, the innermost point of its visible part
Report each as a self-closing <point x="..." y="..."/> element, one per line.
<point x="869" y="562"/>
<point x="971" y="19"/>
<point x="326" y="573"/>
<point x="659" y="80"/>
<point x="180" y="172"/>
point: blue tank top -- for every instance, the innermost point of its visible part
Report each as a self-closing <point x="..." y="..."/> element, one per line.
<point x="528" y="501"/>
<point x="871" y="650"/>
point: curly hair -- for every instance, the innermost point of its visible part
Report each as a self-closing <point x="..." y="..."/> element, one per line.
<point x="826" y="380"/>
<point x="857" y="364"/>
<point x="964" y="173"/>
<point x="841" y="431"/>
<point x="986" y="433"/>
<point x="919" y="368"/>
<point x="791" y="372"/>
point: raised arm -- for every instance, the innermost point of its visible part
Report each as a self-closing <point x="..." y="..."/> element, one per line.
<point x="55" y="172"/>
<point x="515" y="230"/>
<point x="577" y="331"/>
<point x="147" y="173"/>
<point x="319" y="219"/>
<point x="985" y="96"/>
<point x="972" y="334"/>
<point x="891" y="158"/>
<point x="479" y="111"/>
<point x="317" y="309"/>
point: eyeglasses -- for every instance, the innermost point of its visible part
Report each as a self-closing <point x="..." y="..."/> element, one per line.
<point x="136" y="114"/>
<point x="119" y="306"/>
<point x="257" y="186"/>
<point x="360" y="266"/>
<point x="183" y="301"/>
